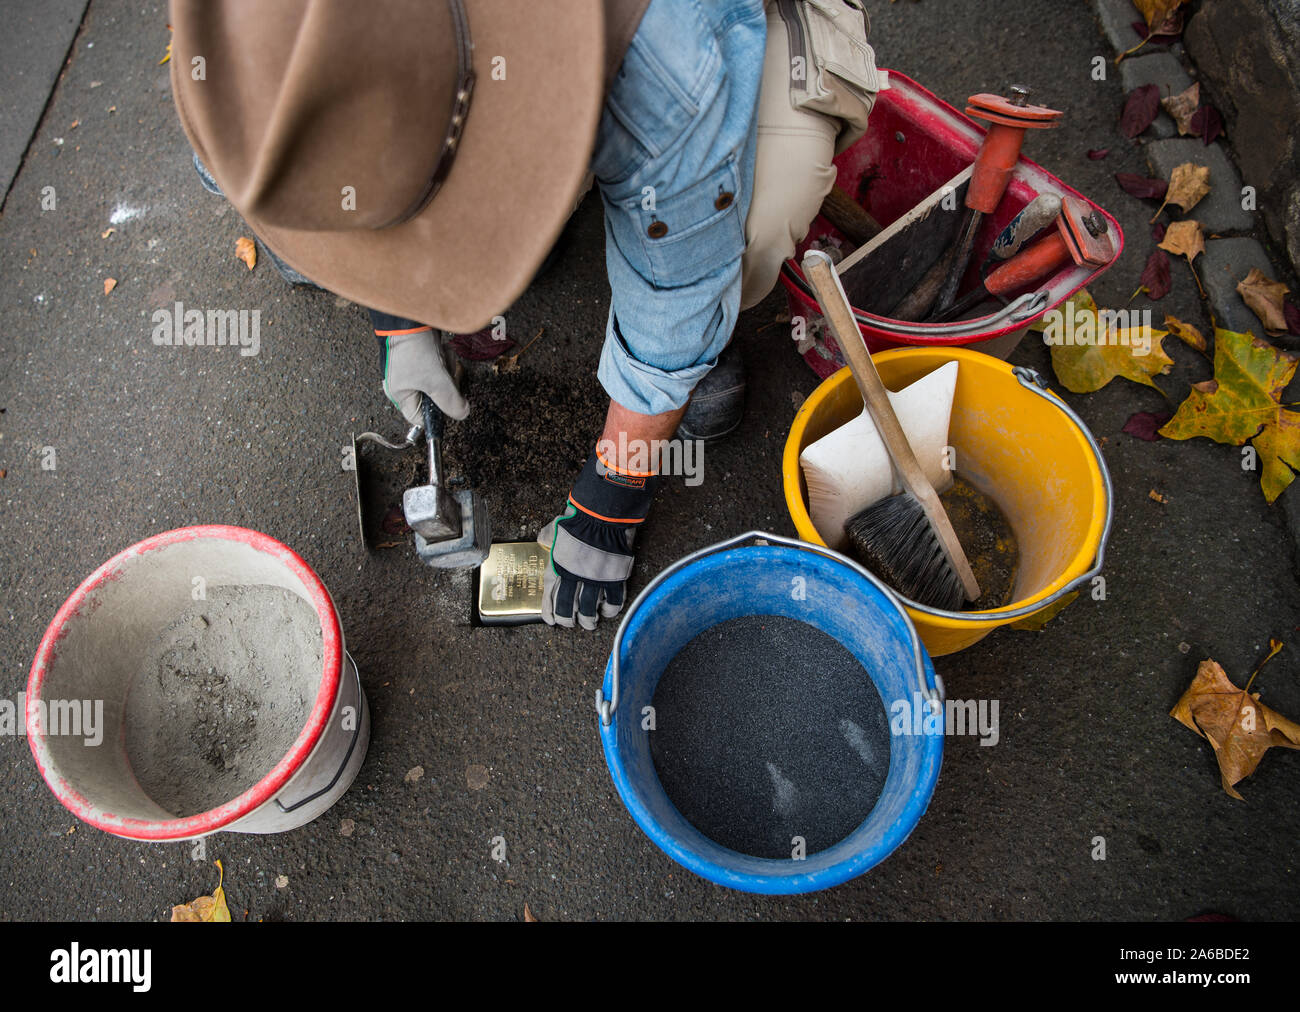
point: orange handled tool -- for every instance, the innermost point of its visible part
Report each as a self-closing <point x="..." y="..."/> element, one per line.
<point x="1081" y="235"/>
<point x="1009" y="118"/>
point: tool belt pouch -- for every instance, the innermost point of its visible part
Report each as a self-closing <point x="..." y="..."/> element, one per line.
<point x="832" y="68"/>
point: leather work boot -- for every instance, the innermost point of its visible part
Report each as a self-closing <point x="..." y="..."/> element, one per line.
<point x="717" y="404"/>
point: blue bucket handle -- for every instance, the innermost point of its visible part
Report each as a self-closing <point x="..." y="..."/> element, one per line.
<point x="932" y="693"/>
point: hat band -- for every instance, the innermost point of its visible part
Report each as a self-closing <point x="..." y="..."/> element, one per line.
<point x="459" y="114"/>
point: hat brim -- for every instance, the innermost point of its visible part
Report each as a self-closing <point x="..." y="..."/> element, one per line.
<point x="524" y="153"/>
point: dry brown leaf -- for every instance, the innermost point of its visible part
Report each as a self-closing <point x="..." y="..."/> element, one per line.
<point x="109" y="284"/>
<point x="1188" y="183"/>
<point x="246" y="250"/>
<point x="1186" y="333"/>
<point x="1184" y="238"/>
<point x="1265" y="297"/>
<point x="1182" y="106"/>
<point x="206" y="908"/>
<point x="528" y="915"/>
<point x="107" y="232"/>
<point x="1153" y="494"/>
<point x="1236" y="724"/>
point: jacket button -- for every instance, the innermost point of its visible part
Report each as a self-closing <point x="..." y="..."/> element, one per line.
<point x="724" y="200"/>
<point x="657" y="230"/>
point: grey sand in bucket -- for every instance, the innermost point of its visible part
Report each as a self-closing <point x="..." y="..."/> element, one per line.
<point x="222" y="695"/>
<point x="768" y="729"/>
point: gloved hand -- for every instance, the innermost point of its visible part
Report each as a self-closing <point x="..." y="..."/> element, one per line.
<point x="591" y="544"/>
<point x="415" y="362"/>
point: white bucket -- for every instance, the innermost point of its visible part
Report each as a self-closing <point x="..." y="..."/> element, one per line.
<point x="95" y="647"/>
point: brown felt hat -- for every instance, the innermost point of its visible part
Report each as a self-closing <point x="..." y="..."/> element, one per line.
<point x="416" y="156"/>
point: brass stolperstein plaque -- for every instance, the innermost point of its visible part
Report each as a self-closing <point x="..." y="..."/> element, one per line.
<point x="510" y="583"/>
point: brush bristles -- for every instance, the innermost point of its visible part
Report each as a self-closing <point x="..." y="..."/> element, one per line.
<point x="894" y="539"/>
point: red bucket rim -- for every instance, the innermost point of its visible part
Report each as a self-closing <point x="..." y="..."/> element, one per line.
<point x="265" y="789"/>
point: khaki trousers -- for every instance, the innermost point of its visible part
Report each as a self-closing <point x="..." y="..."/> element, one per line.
<point x="792" y="172"/>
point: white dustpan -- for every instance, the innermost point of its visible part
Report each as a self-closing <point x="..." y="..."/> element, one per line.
<point x="849" y="469"/>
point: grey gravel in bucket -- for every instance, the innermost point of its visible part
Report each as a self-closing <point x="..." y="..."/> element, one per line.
<point x="767" y="729"/>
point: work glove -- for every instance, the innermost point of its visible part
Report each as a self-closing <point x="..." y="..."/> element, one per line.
<point x="591" y="544"/>
<point x="414" y="362"/>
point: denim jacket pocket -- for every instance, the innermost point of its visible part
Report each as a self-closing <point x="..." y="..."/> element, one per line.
<point x="692" y="234"/>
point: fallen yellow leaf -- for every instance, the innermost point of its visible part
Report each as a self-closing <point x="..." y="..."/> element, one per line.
<point x="1095" y="351"/>
<point x="107" y="232"/>
<point x="206" y="908"/>
<point x="1186" y="333"/>
<point x="1163" y="17"/>
<point x="1157" y="497"/>
<point x="246" y="250"/>
<point x="1264" y="296"/>
<point x="1188" y="183"/>
<point x="1237" y="725"/>
<point x="1244" y="403"/>
<point x="109" y="284"/>
<point x="1157" y="12"/>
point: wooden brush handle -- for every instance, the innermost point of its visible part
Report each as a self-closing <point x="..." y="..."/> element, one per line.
<point x="839" y="314"/>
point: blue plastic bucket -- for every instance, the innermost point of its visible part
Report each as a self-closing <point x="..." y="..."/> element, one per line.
<point x="775" y="576"/>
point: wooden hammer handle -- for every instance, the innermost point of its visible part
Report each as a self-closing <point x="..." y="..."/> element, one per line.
<point x="849" y="217"/>
<point x="839" y="314"/>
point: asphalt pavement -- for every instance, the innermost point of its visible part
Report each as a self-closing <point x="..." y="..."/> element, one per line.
<point x="150" y="438"/>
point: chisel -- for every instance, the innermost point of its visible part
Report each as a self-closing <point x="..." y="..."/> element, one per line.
<point x="1037" y="215"/>
<point x="1082" y="235"/>
<point x="999" y="152"/>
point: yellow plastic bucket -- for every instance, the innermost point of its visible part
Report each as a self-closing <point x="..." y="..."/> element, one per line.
<point x="1016" y="441"/>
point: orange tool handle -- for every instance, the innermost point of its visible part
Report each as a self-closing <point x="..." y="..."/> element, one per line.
<point x="1029" y="265"/>
<point x="993" y="166"/>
